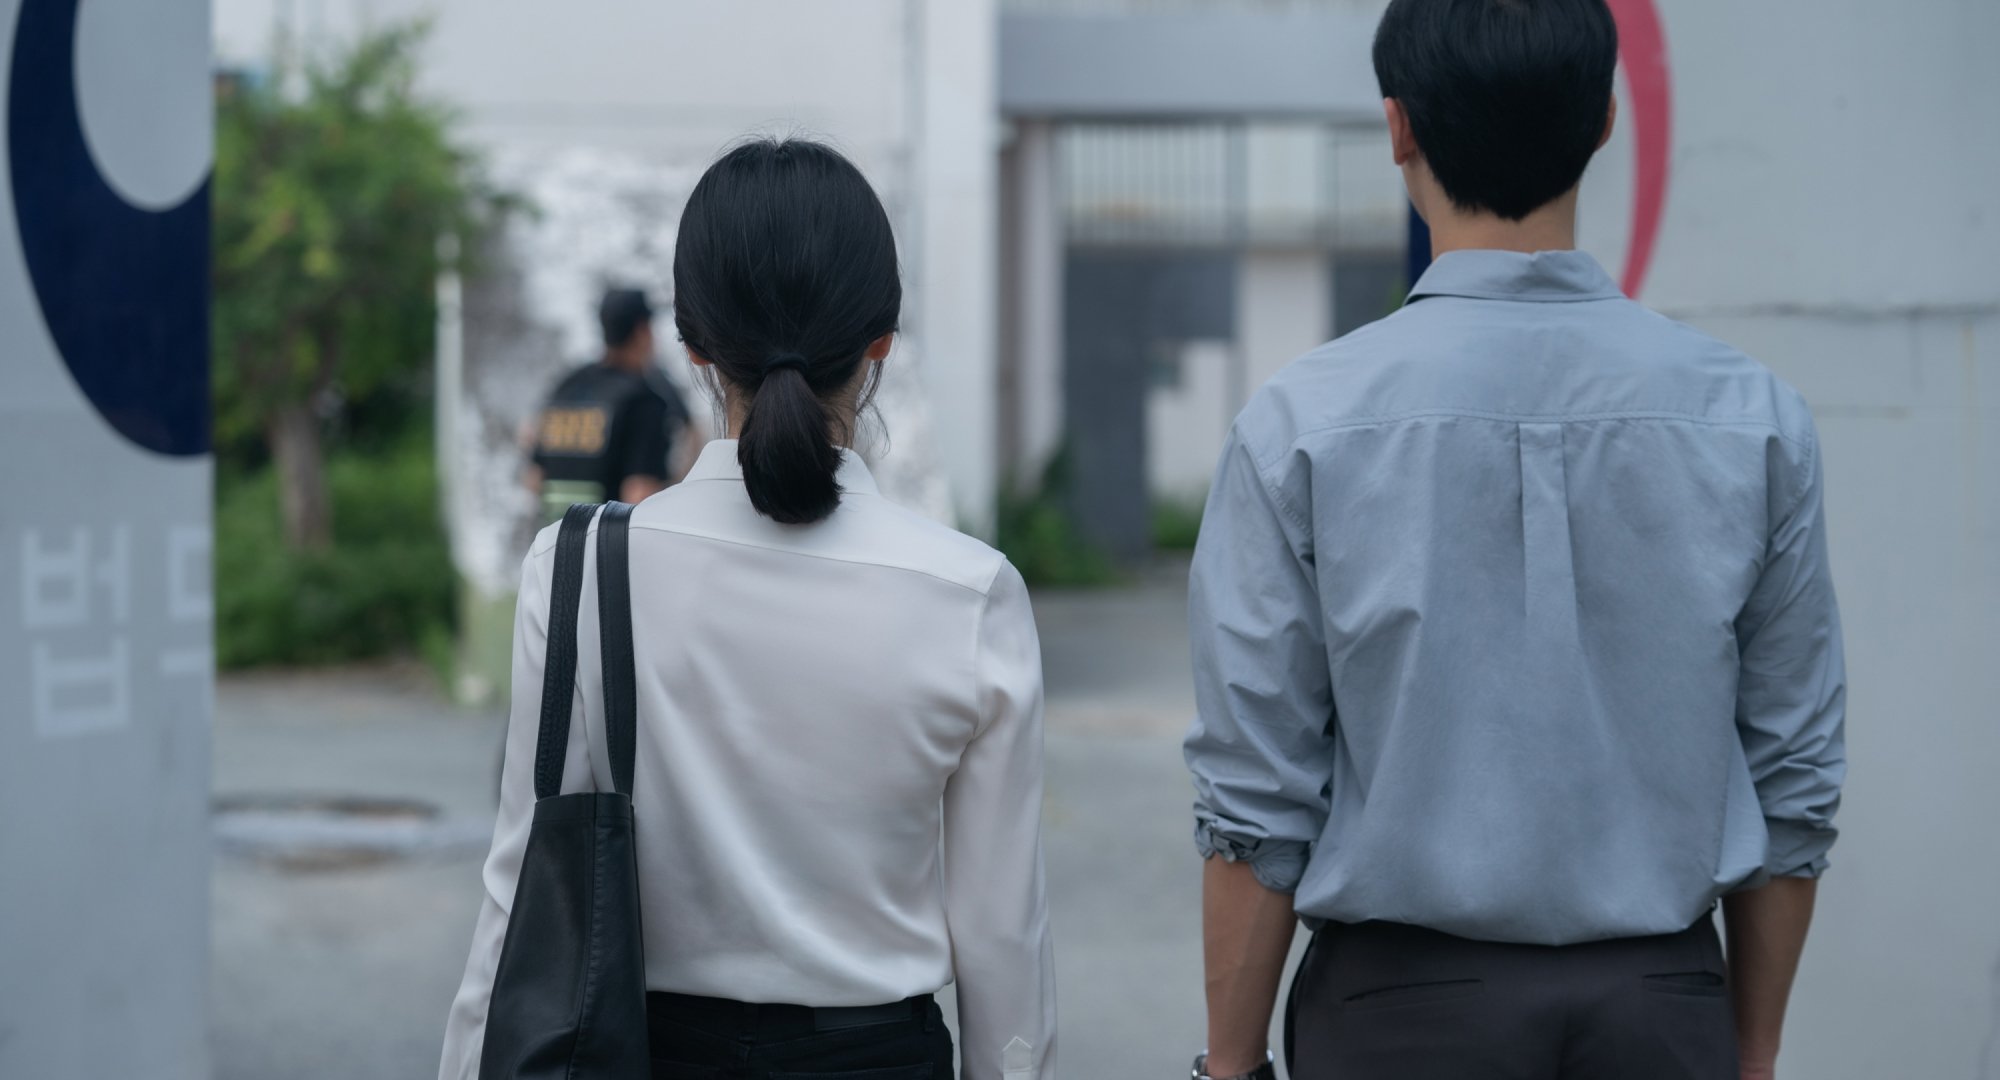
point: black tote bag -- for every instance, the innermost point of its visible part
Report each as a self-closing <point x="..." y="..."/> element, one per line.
<point x="569" y="996"/>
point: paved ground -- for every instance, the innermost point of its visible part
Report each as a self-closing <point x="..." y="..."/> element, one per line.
<point x="347" y="972"/>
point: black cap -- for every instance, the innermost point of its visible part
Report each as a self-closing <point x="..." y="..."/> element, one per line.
<point x="621" y="313"/>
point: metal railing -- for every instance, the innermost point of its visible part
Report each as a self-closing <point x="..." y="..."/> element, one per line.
<point x="1228" y="184"/>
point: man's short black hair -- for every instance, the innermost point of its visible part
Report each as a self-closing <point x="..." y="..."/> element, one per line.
<point x="621" y="314"/>
<point x="1506" y="98"/>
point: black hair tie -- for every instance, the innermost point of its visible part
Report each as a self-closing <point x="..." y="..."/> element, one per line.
<point x="787" y="360"/>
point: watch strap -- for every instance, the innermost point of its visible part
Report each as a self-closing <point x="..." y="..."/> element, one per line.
<point x="1264" y="1071"/>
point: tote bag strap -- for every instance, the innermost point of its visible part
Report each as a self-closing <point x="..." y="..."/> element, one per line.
<point x="614" y="617"/>
<point x="559" y="662"/>
<point x="614" y="628"/>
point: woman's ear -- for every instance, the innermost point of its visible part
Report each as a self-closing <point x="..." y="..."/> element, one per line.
<point x="699" y="360"/>
<point x="878" y="350"/>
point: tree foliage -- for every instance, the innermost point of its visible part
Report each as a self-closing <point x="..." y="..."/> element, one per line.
<point x="334" y="181"/>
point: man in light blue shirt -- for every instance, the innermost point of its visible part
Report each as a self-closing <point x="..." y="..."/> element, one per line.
<point x="1515" y="648"/>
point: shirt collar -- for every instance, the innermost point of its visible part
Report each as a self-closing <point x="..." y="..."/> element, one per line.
<point x="1546" y="276"/>
<point x="718" y="462"/>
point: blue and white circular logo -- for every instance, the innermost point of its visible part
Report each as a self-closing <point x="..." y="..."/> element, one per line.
<point x="109" y="163"/>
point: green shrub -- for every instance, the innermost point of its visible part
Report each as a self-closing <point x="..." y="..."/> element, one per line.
<point x="1176" y="523"/>
<point x="385" y="586"/>
<point x="1044" y="545"/>
<point x="1038" y="536"/>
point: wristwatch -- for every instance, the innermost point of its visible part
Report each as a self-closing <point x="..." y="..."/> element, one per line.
<point x="1266" y="1071"/>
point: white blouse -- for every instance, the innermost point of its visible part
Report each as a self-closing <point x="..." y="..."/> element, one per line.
<point x="838" y="784"/>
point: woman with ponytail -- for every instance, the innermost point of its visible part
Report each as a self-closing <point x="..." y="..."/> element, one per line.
<point x="838" y="779"/>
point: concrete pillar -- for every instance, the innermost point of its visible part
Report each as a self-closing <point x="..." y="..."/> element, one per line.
<point x="953" y="283"/>
<point x="1031" y="309"/>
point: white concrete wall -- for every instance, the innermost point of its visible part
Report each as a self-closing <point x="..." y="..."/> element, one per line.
<point x="1833" y="209"/>
<point x="1283" y="309"/>
<point x="1186" y="423"/>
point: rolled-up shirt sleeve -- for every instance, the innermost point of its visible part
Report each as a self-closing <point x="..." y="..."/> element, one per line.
<point x="995" y="898"/>
<point x="1791" y="704"/>
<point x="1261" y="746"/>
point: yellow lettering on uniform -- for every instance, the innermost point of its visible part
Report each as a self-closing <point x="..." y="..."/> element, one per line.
<point x="573" y="431"/>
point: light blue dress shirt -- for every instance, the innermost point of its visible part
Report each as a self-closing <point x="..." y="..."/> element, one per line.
<point x="1512" y="618"/>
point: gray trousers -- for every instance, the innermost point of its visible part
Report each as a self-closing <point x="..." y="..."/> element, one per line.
<point x="1382" y="1001"/>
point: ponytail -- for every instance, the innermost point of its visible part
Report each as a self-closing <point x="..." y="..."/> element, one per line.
<point x="790" y="463"/>
<point x="785" y="274"/>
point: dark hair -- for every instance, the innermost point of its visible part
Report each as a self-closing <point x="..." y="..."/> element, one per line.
<point x="1507" y="98"/>
<point x="784" y="274"/>
<point x="621" y="313"/>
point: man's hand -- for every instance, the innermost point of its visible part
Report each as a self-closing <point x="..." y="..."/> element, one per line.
<point x="1767" y="932"/>
<point x="1246" y="933"/>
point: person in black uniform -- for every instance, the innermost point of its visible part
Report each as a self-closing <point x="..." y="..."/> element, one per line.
<point x="611" y="427"/>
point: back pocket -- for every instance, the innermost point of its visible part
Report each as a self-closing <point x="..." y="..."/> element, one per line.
<point x="1415" y="994"/>
<point x="900" y="1072"/>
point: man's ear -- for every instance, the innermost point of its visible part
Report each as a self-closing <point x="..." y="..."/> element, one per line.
<point x="1402" y="141"/>
<point x="1610" y="122"/>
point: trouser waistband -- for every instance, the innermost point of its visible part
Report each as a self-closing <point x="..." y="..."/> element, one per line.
<point x="760" y="1017"/>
